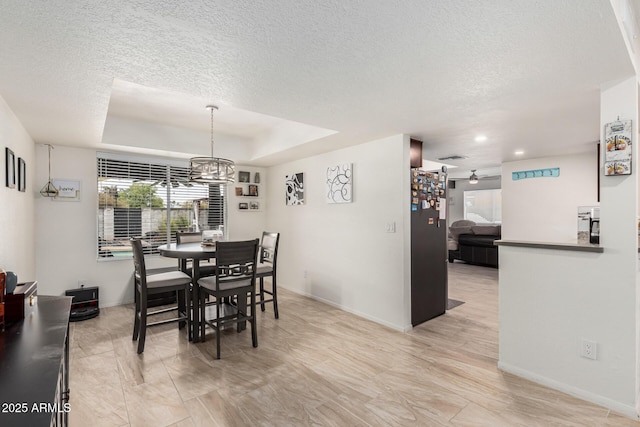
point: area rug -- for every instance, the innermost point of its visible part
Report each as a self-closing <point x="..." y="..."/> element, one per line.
<point x="453" y="303"/>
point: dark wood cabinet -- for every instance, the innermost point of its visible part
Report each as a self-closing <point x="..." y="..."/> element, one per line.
<point x="34" y="366"/>
<point x="18" y="303"/>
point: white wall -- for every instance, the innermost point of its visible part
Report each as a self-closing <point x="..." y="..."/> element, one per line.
<point x="455" y="211"/>
<point x="66" y="233"/>
<point x="16" y="208"/>
<point x="545" y="209"/>
<point x="551" y="299"/>
<point x="341" y="253"/>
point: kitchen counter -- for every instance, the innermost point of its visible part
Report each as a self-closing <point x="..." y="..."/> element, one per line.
<point x="578" y="247"/>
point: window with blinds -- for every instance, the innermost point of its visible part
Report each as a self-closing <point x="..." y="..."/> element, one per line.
<point x="483" y="206"/>
<point x="153" y="201"/>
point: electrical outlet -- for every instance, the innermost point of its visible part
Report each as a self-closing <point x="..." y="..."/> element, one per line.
<point x="391" y="227"/>
<point x="589" y="349"/>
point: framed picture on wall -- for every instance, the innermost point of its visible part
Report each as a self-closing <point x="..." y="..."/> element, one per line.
<point x="294" y="185"/>
<point x="253" y="190"/>
<point x="243" y="206"/>
<point x="22" y="175"/>
<point x="10" y="168"/>
<point x="244" y="176"/>
<point x="340" y="183"/>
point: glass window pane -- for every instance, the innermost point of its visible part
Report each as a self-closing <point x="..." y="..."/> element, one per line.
<point x="135" y="200"/>
<point x="483" y="206"/>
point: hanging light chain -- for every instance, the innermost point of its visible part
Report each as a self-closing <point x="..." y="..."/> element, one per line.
<point x="50" y="148"/>
<point x="49" y="190"/>
<point x="211" y="108"/>
<point x="211" y="170"/>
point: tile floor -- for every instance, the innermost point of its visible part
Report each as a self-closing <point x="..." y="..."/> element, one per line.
<point x="317" y="365"/>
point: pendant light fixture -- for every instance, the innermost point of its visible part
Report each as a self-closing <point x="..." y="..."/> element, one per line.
<point x="473" y="179"/>
<point x="49" y="190"/>
<point x="211" y="170"/>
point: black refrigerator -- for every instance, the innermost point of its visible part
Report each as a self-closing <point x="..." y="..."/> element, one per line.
<point x="429" y="279"/>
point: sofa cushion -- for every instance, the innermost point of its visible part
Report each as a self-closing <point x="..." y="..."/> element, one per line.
<point x="486" y="230"/>
<point x="457" y="231"/>
<point x="462" y="223"/>
<point x="484" y="241"/>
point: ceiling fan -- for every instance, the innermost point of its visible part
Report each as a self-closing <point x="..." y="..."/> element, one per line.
<point x="475" y="178"/>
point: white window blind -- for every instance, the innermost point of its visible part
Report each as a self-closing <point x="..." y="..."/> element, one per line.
<point x="483" y="206"/>
<point x="152" y="200"/>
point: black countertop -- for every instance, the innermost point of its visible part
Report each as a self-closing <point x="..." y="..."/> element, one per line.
<point x="31" y="352"/>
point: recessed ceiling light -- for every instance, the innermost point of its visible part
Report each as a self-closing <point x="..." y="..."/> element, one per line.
<point x="480" y="138"/>
<point x="518" y="153"/>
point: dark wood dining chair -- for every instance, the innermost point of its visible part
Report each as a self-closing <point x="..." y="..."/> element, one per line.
<point x="235" y="277"/>
<point x="207" y="268"/>
<point x="188" y="237"/>
<point x="147" y="285"/>
<point x="267" y="268"/>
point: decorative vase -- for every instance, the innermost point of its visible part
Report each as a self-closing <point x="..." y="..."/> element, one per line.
<point x="257" y="178"/>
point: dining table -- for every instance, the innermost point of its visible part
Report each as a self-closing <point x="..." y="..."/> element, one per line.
<point x="195" y="252"/>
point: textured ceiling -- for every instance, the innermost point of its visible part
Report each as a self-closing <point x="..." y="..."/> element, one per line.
<point x="525" y="73"/>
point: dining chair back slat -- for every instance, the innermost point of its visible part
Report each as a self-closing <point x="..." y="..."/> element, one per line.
<point x="188" y="237"/>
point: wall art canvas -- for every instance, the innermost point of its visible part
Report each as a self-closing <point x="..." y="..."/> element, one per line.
<point x="22" y="175"/>
<point x="340" y="183"/>
<point x="295" y="189"/>
<point x="10" y="168"/>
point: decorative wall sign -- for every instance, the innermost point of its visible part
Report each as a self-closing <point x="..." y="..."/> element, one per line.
<point x="295" y="189"/>
<point x="617" y="155"/>
<point x="10" y="168"/>
<point x="340" y="183"/>
<point x="22" y="175"/>
<point x="68" y="190"/>
<point x="536" y="173"/>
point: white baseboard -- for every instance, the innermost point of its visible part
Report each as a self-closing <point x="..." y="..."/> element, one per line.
<point x="615" y="406"/>
<point x="349" y="310"/>
<point x="407" y="328"/>
<point x="105" y="304"/>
